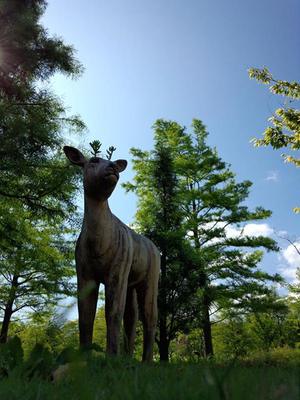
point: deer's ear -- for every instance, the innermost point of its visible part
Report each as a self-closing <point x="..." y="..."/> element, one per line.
<point x="121" y="164"/>
<point x="74" y="155"/>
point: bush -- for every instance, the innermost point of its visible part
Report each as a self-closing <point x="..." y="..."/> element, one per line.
<point x="11" y="355"/>
<point x="280" y="356"/>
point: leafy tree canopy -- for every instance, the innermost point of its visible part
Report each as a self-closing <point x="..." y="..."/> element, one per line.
<point x="37" y="187"/>
<point x="284" y="131"/>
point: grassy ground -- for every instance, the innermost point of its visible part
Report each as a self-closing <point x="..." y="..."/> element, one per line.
<point x="120" y="379"/>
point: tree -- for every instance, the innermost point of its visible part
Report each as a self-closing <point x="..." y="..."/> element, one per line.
<point x="27" y="52"/>
<point x="232" y="339"/>
<point x="267" y="323"/>
<point x="295" y="287"/>
<point x="37" y="188"/>
<point x="36" y="271"/>
<point x="212" y="202"/>
<point x="212" y="268"/>
<point x="159" y="218"/>
<point x="284" y="131"/>
<point x="32" y="119"/>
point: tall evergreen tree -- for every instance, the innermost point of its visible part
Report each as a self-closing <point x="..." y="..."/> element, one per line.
<point x="159" y="218"/>
<point x="213" y="202"/>
<point x="212" y="268"/>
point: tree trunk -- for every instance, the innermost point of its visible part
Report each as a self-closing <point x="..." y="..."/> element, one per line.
<point x="5" y="323"/>
<point x="163" y="332"/>
<point x="163" y="340"/>
<point x="208" y="345"/>
<point x="206" y="325"/>
<point x="8" y="310"/>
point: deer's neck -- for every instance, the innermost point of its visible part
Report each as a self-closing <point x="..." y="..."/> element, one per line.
<point x="97" y="220"/>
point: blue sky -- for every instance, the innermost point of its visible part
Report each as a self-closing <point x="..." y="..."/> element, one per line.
<point x="181" y="60"/>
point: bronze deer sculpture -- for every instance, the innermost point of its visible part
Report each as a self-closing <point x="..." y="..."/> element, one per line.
<point x="109" y="252"/>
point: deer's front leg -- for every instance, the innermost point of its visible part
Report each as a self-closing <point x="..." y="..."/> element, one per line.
<point x="87" y="305"/>
<point x="115" y="297"/>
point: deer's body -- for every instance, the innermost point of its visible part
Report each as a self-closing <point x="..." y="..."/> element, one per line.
<point x="111" y="253"/>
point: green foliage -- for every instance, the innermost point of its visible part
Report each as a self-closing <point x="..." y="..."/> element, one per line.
<point x="239" y="365"/>
<point x="123" y="379"/>
<point x="99" y="335"/>
<point x="232" y="340"/>
<point x="96" y="146"/>
<point x="36" y="187"/>
<point x="187" y="199"/>
<point x="110" y="151"/>
<point x="188" y="347"/>
<point x="11" y="356"/>
<point x="27" y="51"/>
<point x="32" y="119"/>
<point x="295" y="288"/>
<point x="269" y="327"/>
<point x="284" y="131"/>
<point x="49" y="329"/>
<point x="37" y="267"/>
<point x="40" y="363"/>
<point x="160" y="218"/>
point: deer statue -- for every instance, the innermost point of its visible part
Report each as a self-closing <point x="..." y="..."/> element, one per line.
<point x="109" y="252"/>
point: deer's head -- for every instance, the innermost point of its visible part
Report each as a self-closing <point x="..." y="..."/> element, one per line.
<point x="100" y="176"/>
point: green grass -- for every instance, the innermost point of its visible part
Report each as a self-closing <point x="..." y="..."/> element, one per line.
<point x="119" y="379"/>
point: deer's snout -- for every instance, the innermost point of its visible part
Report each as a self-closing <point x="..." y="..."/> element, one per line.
<point x="112" y="169"/>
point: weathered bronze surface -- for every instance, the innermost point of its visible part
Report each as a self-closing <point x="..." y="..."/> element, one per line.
<point x="111" y="253"/>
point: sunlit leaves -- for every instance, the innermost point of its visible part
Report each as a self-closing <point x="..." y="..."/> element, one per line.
<point x="38" y="256"/>
<point x="284" y="131"/>
<point x="262" y="75"/>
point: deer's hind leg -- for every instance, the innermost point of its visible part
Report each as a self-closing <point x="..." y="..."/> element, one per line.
<point x="130" y="320"/>
<point x="147" y="301"/>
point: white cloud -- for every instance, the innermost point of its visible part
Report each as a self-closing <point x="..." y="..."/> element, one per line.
<point x="250" y="230"/>
<point x="272" y="176"/>
<point x="234" y="232"/>
<point x="258" y="230"/>
<point x="282" y="234"/>
<point x="292" y="258"/>
<point x="288" y="257"/>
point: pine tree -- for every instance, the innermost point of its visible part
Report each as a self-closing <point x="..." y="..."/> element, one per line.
<point x="212" y="268"/>
<point x="213" y="201"/>
<point x="159" y="218"/>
